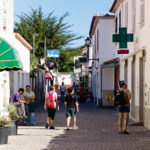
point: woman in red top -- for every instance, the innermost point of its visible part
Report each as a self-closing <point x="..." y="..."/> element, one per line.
<point x="51" y="111"/>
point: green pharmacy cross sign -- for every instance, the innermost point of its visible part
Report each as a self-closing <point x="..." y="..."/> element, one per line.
<point x="123" y="38"/>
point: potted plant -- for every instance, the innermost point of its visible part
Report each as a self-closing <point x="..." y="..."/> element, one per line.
<point x="14" y="118"/>
<point x="4" y="124"/>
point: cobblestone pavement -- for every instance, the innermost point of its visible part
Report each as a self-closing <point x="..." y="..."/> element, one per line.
<point x="98" y="131"/>
<point x="33" y="137"/>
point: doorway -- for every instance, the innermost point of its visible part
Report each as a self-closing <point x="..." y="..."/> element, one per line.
<point x="133" y="88"/>
<point x="126" y="71"/>
<point x="141" y="88"/>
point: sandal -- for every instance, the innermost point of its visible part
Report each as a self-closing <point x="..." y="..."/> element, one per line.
<point x="125" y="132"/>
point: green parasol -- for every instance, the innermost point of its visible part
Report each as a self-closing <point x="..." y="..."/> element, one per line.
<point x="72" y="75"/>
<point x="9" y="57"/>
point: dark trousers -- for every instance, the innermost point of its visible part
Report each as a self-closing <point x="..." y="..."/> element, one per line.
<point x="62" y="96"/>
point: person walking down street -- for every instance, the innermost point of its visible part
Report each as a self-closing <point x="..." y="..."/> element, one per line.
<point x="72" y="108"/>
<point x="77" y="83"/>
<point x="62" y="91"/>
<point x="81" y="93"/>
<point x="51" y="104"/>
<point x="74" y="88"/>
<point x="125" y="108"/>
<point x="30" y="105"/>
<point x="19" y="102"/>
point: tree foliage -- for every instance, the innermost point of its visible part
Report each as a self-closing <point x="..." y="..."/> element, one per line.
<point x="56" y="32"/>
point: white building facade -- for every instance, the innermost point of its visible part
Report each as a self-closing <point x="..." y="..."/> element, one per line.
<point x="104" y="59"/>
<point x="12" y="80"/>
<point x="81" y="71"/>
<point x="134" y="67"/>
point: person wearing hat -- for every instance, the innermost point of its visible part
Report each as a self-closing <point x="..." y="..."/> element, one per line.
<point x="124" y="109"/>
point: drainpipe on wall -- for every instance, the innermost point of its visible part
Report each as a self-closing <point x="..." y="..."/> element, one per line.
<point x="101" y="83"/>
<point x="101" y="99"/>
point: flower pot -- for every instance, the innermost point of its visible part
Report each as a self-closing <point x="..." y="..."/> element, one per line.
<point x="13" y="128"/>
<point x="3" y="135"/>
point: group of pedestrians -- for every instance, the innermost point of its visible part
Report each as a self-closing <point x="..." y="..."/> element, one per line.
<point x="51" y="105"/>
<point x="25" y="104"/>
<point x="24" y="100"/>
<point x="75" y="87"/>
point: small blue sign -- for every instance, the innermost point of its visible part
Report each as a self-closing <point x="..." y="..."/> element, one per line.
<point x="53" y="53"/>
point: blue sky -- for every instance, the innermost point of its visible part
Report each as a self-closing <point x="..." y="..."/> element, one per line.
<point x="81" y="12"/>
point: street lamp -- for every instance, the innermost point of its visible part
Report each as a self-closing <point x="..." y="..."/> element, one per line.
<point x="87" y="43"/>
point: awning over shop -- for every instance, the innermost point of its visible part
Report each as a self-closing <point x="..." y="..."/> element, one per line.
<point x="9" y="57"/>
<point x="72" y="75"/>
<point x="111" y="63"/>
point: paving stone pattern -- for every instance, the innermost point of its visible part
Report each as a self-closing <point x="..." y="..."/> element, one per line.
<point x="98" y="131"/>
<point x="33" y="137"/>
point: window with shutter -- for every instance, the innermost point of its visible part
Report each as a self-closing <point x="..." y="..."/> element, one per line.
<point x="119" y="19"/>
<point x="116" y="25"/>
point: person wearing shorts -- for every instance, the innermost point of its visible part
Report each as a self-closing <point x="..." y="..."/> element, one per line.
<point x="71" y="105"/>
<point x="51" y="111"/>
<point x="124" y="109"/>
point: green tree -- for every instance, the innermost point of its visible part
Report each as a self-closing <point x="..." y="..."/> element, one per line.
<point x="52" y="28"/>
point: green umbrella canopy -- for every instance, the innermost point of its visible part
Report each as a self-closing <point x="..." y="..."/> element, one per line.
<point x="9" y="57"/>
<point x="72" y="75"/>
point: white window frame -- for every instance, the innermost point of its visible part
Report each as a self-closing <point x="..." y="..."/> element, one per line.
<point x="142" y="12"/>
<point x="133" y="16"/>
<point x="126" y="14"/>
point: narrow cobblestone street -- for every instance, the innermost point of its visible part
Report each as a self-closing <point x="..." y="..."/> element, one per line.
<point x="97" y="131"/>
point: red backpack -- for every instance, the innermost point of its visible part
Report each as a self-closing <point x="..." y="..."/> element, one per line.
<point x="51" y="103"/>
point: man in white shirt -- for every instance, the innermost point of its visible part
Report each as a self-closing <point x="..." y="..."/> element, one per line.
<point x="30" y="105"/>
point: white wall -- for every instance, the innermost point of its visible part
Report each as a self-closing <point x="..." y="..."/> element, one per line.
<point x="22" y="78"/>
<point x="108" y="78"/>
<point x="8" y="7"/>
<point x="138" y="49"/>
<point x="144" y="43"/>
<point x="4" y="89"/>
<point x="106" y="46"/>
<point x="19" y="78"/>
<point x="62" y="77"/>
<point x="105" y="52"/>
<point x="141" y="41"/>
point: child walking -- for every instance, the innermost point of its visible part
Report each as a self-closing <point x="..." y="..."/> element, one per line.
<point x="51" y="103"/>
<point x="72" y="108"/>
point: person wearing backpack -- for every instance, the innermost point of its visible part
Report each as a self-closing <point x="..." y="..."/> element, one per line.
<point x="124" y="108"/>
<point x="72" y="108"/>
<point x="51" y="103"/>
